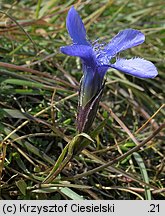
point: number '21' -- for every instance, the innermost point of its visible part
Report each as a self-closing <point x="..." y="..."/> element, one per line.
<point x="154" y="208"/>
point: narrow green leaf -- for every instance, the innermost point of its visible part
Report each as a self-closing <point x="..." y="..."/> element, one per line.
<point x="12" y="113"/>
<point x="71" y="194"/>
<point x="21" y="184"/>
<point x="144" y="174"/>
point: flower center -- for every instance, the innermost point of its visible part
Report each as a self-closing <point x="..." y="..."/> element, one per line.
<point x="100" y="53"/>
<point x="98" y="47"/>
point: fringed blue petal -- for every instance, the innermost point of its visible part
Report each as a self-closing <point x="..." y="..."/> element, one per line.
<point x="123" y="40"/>
<point x="76" y="27"/>
<point x="136" y="67"/>
<point x="82" y="51"/>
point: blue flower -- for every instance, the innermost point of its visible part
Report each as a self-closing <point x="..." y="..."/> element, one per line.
<point x="96" y="60"/>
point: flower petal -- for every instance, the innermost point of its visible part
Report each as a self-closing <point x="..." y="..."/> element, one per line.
<point x="124" y="40"/>
<point x="102" y="69"/>
<point x="76" y="27"/>
<point x="137" y="67"/>
<point x="82" y="51"/>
